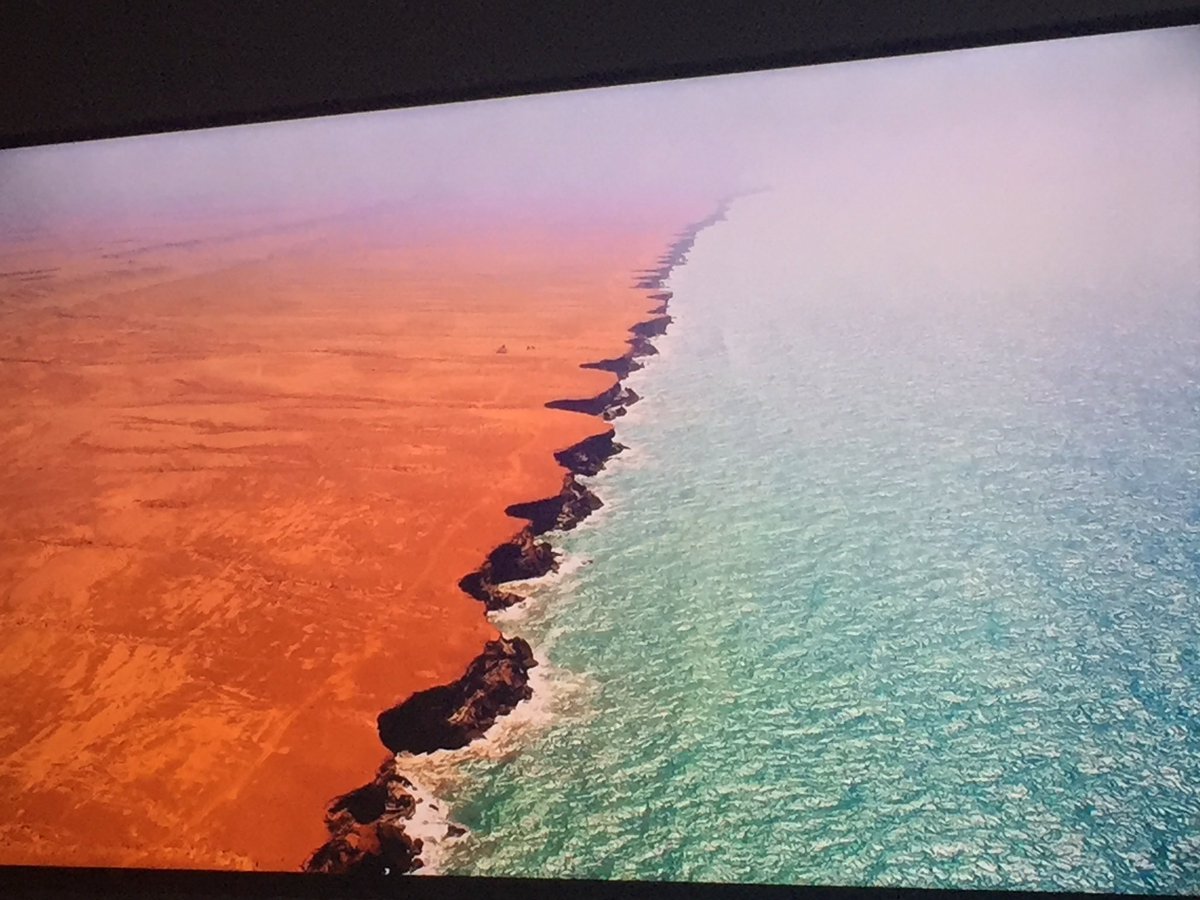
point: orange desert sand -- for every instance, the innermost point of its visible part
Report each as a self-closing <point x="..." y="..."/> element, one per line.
<point x="243" y="469"/>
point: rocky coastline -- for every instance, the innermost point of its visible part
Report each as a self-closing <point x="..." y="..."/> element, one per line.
<point x="370" y="827"/>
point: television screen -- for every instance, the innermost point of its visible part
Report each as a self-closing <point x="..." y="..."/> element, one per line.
<point x="789" y="476"/>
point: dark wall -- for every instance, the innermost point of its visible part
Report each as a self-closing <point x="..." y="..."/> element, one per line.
<point x="71" y="70"/>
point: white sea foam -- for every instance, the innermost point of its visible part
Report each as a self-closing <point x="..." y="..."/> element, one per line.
<point x="534" y="591"/>
<point x="556" y="693"/>
<point x="430" y="822"/>
<point x="632" y="457"/>
<point x="599" y="516"/>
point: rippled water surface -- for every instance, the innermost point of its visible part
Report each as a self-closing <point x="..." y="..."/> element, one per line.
<point x="895" y="587"/>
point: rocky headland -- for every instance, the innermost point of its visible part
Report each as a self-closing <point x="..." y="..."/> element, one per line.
<point x="367" y="826"/>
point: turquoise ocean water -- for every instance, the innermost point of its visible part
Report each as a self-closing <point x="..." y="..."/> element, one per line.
<point x="898" y="584"/>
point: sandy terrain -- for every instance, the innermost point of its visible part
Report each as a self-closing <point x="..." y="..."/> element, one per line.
<point x="241" y="472"/>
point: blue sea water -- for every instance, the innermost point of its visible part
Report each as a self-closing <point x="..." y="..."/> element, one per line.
<point x="898" y="584"/>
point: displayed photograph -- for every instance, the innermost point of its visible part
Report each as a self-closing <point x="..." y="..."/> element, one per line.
<point x="782" y="477"/>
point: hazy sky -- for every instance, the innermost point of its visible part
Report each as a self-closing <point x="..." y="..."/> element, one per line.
<point x="1111" y="123"/>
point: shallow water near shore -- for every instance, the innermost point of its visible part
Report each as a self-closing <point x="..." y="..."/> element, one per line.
<point x="900" y="588"/>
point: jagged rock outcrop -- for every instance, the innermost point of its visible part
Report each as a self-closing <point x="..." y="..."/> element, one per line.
<point x="523" y="557"/>
<point x="639" y="346"/>
<point x="562" y="512"/>
<point x="452" y="715"/>
<point x="519" y="558"/>
<point x="662" y="298"/>
<point x="616" y="397"/>
<point x="366" y="828"/>
<point x="625" y="398"/>
<point x="655" y="327"/>
<point x="589" y="455"/>
<point x="620" y="366"/>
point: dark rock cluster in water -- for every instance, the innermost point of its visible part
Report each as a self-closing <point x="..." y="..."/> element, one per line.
<point x="517" y="559"/>
<point x="366" y="826"/>
<point x="452" y="715"/>
<point x="616" y="397"/>
<point x="589" y="455"/>
<point x="562" y="512"/>
<point x="367" y="834"/>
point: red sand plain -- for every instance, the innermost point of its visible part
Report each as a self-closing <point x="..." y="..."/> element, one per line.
<point x="241" y="473"/>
